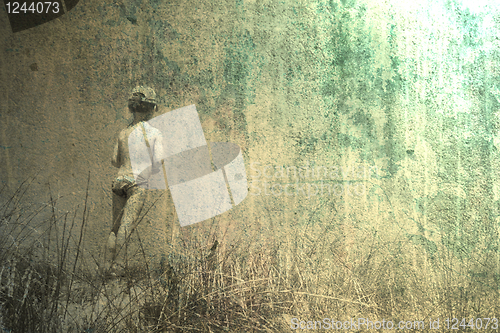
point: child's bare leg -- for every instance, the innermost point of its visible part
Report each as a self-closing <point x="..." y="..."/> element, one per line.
<point x="118" y="206"/>
<point x="129" y="220"/>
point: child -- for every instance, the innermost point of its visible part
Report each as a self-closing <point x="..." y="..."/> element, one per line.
<point x="135" y="167"/>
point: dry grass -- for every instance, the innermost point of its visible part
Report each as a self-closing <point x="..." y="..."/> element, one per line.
<point x="304" y="271"/>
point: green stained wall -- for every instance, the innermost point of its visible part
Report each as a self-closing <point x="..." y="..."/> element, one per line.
<point x="409" y="89"/>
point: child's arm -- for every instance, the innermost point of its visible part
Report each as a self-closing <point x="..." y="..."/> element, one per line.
<point x="116" y="158"/>
<point x="157" y="153"/>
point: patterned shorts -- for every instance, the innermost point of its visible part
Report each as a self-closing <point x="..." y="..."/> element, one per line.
<point x="123" y="185"/>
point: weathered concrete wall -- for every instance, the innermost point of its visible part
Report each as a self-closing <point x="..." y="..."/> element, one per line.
<point x="404" y="89"/>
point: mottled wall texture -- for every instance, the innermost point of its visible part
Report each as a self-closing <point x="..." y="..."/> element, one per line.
<point x="380" y="117"/>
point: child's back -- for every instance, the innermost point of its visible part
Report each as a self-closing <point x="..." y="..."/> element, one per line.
<point x="138" y="148"/>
